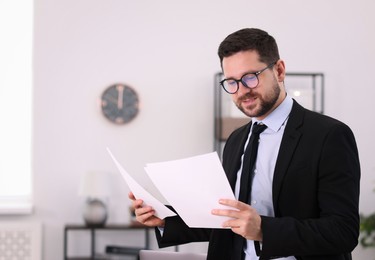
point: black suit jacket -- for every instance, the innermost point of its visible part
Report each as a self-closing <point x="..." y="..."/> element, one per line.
<point x="315" y="194"/>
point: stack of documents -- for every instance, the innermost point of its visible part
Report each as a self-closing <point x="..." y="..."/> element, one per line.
<point x="192" y="186"/>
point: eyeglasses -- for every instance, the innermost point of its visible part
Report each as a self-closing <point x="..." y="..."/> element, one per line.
<point x="249" y="80"/>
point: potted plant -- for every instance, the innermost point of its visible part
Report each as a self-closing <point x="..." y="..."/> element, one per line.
<point x="367" y="228"/>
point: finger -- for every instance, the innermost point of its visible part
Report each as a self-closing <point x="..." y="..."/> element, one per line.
<point x="137" y="203"/>
<point x="233" y="224"/>
<point x="234" y="204"/>
<point x="226" y="213"/>
<point x="143" y="218"/>
<point x="154" y="222"/>
<point x="131" y="196"/>
<point x="143" y="210"/>
<point x="237" y="226"/>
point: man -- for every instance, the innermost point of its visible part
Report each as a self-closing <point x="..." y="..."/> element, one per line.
<point x="304" y="186"/>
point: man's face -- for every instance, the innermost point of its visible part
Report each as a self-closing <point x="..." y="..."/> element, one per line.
<point x="263" y="99"/>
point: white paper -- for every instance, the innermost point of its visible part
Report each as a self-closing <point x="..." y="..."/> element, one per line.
<point x="193" y="186"/>
<point x="161" y="211"/>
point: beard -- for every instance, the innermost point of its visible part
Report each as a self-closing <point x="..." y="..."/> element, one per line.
<point x="265" y="104"/>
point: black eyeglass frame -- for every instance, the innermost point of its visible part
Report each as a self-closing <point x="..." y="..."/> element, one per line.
<point x="243" y="82"/>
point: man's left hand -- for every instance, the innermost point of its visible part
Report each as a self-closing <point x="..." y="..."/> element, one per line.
<point x="245" y="221"/>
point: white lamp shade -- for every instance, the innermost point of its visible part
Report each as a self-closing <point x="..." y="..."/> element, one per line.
<point x="95" y="184"/>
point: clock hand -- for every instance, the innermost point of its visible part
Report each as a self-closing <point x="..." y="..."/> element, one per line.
<point x="120" y="97"/>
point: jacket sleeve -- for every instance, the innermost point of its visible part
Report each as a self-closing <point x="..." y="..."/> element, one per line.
<point x="176" y="232"/>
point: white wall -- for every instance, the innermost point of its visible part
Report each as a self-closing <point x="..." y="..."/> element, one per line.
<point x="166" y="50"/>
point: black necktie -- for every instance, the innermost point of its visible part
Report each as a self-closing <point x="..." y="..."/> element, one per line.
<point x="248" y="165"/>
<point x="249" y="162"/>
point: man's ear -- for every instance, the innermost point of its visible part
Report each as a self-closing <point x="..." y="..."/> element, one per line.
<point x="280" y="70"/>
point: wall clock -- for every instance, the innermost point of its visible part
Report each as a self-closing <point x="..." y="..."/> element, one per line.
<point x="120" y="103"/>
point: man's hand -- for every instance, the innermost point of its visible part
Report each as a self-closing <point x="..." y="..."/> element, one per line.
<point x="245" y="221"/>
<point x="145" y="214"/>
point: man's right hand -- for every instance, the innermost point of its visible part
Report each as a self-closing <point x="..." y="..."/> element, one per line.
<point x="145" y="214"/>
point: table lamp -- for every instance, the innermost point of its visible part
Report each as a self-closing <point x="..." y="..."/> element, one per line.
<point x="94" y="187"/>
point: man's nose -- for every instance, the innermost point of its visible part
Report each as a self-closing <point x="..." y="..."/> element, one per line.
<point x="242" y="88"/>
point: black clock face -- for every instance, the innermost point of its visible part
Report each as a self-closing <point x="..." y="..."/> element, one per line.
<point x="120" y="103"/>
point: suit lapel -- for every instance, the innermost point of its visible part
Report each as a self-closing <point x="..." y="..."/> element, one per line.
<point x="288" y="145"/>
<point x="237" y="152"/>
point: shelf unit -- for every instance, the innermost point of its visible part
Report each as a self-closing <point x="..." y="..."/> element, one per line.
<point x="94" y="232"/>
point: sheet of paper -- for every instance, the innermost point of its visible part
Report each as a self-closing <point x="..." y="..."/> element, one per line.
<point x="161" y="210"/>
<point x="193" y="186"/>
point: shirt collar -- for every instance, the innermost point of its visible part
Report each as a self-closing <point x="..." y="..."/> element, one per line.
<point x="278" y="117"/>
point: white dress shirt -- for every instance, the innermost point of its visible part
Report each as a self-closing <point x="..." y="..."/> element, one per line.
<point x="269" y="144"/>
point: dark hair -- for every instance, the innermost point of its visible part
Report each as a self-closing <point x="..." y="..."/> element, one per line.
<point x="250" y="39"/>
